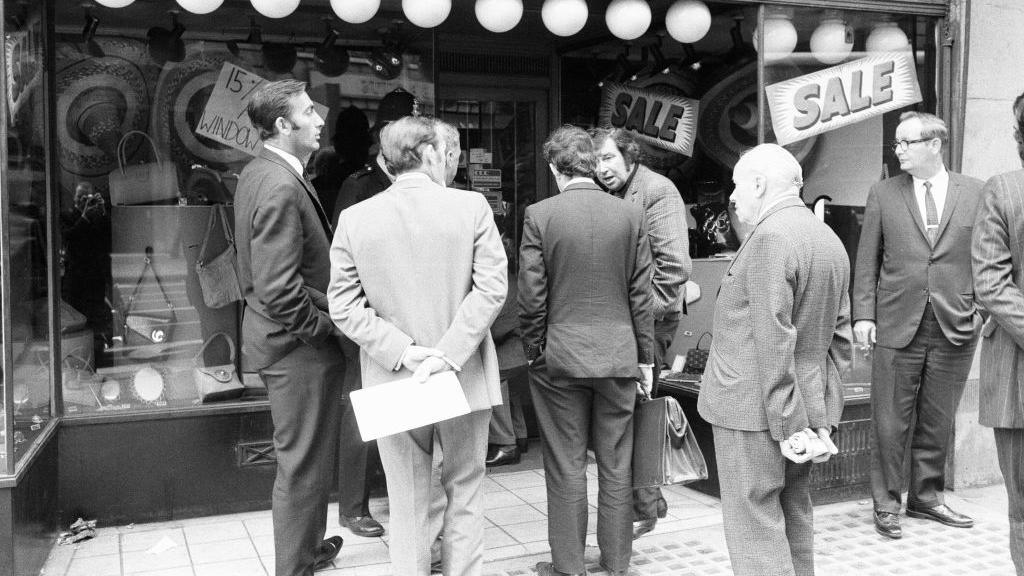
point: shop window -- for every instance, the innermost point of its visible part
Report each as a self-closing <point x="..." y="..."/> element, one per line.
<point x="24" y="222"/>
<point x="151" y="135"/>
<point x="830" y="86"/>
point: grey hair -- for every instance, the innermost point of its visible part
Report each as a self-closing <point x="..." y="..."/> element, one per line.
<point x="931" y="125"/>
<point x="779" y="167"/>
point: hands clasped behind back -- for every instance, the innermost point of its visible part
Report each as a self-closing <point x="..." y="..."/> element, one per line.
<point x="423" y="361"/>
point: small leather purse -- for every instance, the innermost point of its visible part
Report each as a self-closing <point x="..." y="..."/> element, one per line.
<point x="220" y="382"/>
<point x="697" y="358"/>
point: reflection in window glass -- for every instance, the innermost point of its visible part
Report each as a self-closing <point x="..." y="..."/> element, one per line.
<point x="25" y="184"/>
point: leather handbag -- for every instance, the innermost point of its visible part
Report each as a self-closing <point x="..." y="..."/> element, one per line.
<point x="219" y="382"/>
<point x="147" y="327"/>
<point x="697" y="358"/>
<point x="217" y="276"/>
<point x="206" y="186"/>
<point x="665" y="450"/>
<point x="145" y="183"/>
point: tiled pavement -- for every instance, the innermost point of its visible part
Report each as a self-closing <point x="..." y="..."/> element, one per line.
<point x="689" y="542"/>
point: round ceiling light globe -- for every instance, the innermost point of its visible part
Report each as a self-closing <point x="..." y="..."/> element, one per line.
<point x="564" y="17"/>
<point x="200" y="6"/>
<point x="499" y="15"/>
<point x="114" y="3"/>
<point x="832" y="41"/>
<point x="628" y="19"/>
<point x="355" y="11"/>
<point x="780" y="38"/>
<point x="275" y="8"/>
<point x="887" y="37"/>
<point x="688" y="21"/>
<point x="426" y="13"/>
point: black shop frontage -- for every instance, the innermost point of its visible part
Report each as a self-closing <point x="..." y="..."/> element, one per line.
<point x="123" y="140"/>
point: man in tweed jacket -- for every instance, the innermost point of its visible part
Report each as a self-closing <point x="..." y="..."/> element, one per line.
<point x="775" y="369"/>
<point x="620" y="171"/>
<point x="997" y="251"/>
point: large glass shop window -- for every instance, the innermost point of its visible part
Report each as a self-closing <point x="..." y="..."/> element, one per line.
<point x="152" y="135"/>
<point x="833" y="84"/>
<point x="25" y="220"/>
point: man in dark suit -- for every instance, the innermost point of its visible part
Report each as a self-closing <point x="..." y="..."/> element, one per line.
<point x="620" y="171"/>
<point x="418" y="277"/>
<point x="283" y="239"/>
<point x="587" y="330"/>
<point x="773" y="380"/>
<point x="913" y="297"/>
<point x="997" y="252"/>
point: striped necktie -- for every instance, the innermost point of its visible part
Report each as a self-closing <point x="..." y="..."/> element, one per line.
<point x="932" y="224"/>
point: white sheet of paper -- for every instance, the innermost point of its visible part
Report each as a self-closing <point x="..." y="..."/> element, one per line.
<point x="405" y="404"/>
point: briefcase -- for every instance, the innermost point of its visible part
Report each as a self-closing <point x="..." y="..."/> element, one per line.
<point x="665" y="450"/>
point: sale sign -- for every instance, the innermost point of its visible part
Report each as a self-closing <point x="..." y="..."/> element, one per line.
<point x="662" y="120"/>
<point x="815" y="103"/>
<point x="225" y="119"/>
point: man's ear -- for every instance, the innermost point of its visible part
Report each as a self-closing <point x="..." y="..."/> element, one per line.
<point x="761" y="184"/>
<point x="282" y="125"/>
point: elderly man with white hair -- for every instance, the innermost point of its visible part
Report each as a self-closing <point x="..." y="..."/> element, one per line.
<point x="772" y="388"/>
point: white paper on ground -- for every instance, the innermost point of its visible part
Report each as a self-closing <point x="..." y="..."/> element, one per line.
<point x="405" y="404"/>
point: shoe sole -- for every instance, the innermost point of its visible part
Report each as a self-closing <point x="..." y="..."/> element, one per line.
<point x="924" y="516"/>
<point x="504" y="462"/>
<point x="889" y="535"/>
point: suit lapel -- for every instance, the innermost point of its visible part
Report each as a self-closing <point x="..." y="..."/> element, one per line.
<point x="307" y="186"/>
<point x="952" y="195"/>
<point x="907" y="191"/>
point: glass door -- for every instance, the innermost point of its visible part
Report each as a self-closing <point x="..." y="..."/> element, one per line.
<point x="501" y="133"/>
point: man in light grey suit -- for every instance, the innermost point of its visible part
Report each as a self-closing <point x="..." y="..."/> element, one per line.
<point x="418" y="275"/>
<point x="997" y="251"/>
<point x="912" y="296"/>
<point x="587" y="330"/>
<point x="283" y="236"/>
<point x="775" y="369"/>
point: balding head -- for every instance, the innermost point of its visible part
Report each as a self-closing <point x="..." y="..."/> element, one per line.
<point x="764" y="174"/>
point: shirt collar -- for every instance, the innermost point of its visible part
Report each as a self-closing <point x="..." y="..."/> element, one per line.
<point x="940" y="179"/>
<point x="579" y="180"/>
<point x="289" y="158"/>
<point x="412" y="176"/>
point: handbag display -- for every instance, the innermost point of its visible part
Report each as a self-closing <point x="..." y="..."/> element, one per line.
<point x="206" y="186"/>
<point x="146" y="183"/>
<point x="665" y="450"/>
<point x="148" y="327"/>
<point x="220" y="382"/>
<point x="697" y="358"/>
<point x="218" y="279"/>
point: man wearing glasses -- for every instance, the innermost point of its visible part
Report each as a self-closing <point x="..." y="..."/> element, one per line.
<point x="913" y="301"/>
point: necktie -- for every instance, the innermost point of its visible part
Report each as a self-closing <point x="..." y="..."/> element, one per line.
<point x="932" y="224"/>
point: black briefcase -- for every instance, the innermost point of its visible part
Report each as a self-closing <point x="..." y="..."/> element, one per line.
<point x="665" y="450"/>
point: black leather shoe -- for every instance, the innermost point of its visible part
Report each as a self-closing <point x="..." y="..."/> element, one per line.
<point x="548" y="569"/>
<point x="327" y="551"/>
<point x="502" y="455"/>
<point x="436" y="568"/>
<point x="523" y="444"/>
<point x="364" y="526"/>
<point x="888" y="524"/>
<point x="642" y="527"/>
<point x="943" y="514"/>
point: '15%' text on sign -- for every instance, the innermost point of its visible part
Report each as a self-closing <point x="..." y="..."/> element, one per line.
<point x="828" y="99"/>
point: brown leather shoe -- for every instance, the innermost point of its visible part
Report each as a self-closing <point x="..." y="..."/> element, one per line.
<point x="364" y="526"/>
<point x="548" y="569"/>
<point x="326" y="552"/>
<point x="888" y="524"/>
<point x="943" y="514"/>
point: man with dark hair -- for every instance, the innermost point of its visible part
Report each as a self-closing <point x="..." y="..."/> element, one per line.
<point x="998" y="258"/>
<point x="587" y="330"/>
<point x="375" y="177"/>
<point x="417" y="278"/>
<point x="283" y="238"/>
<point x="620" y="171"/>
<point x="913" y="279"/>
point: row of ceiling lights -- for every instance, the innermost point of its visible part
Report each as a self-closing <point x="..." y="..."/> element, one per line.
<point x="687" y="20"/>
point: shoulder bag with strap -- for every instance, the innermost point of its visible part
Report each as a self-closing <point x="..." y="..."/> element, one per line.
<point x="148" y="327"/>
<point x="218" y="278"/>
<point x="219" y="382"/>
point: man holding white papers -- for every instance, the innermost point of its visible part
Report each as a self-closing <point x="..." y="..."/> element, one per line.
<point x="588" y="334"/>
<point x="418" y="274"/>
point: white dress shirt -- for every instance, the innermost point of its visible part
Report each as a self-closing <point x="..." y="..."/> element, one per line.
<point x="289" y="158"/>
<point x="940" y="184"/>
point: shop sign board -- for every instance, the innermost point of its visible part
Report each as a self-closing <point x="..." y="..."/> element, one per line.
<point x="225" y="119"/>
<point x="485" y="177"/>
<point x="493" y="199"/>
<point x="828" y="99"/>
<point x="663" y="120"/>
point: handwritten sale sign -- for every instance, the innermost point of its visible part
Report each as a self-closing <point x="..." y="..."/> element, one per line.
<point x="662" y="120"/>
<point x="225" y="119"/>
<point x="815" y="103"/>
